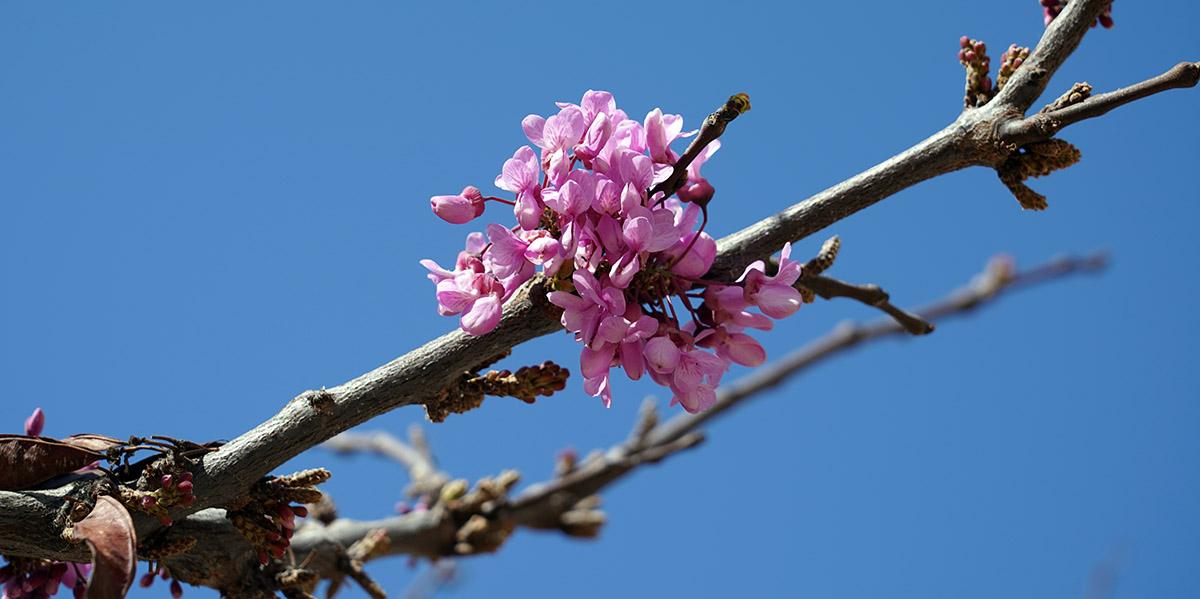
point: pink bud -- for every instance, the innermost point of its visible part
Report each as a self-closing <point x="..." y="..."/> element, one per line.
<point x="402" y="507"/>
<point x="459" y="209"/>
<point x="167" y="481"/>
<point x="148" y="501"/>
<point x="288" y="532"/>
<point x="286" y="515"/>
<point x="185" y="476"/>
<point x="980" y="47"/>
<point x="262" y="557"/>
<point x="35" y="422"/>
<point x="964" y="41"/>
<point x="185" y="487"/>
<point x="273" y="536"/>
<point x="187" y="500"/>
<point x="970" y="56"/>
<point x="176" y="589"/>
<point x="146" y="580"/>
<point x="300" y="511"/>
<point x="278" y="549"/>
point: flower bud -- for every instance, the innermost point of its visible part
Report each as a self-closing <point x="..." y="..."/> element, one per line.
<point x="459" y="209"/>
<point x="176" y="589"/>
<point x="35" y="422"/>
<point x="167" y="481"/>
<point x="146" y="580"/>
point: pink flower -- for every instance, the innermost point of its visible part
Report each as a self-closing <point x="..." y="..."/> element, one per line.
<point x="583" y="313"/>
<point x="775" y="296"/>
<point x="662" y="129"/>
<point x="477" y="296"/>
<point x="520" y="176"/>
<point x="459" y="209"/>
<point x="697" y="190"/>
<point x="738" y="348"/>
<point x="555" y="136"/>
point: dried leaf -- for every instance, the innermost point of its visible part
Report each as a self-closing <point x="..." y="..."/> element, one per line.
<point x="26" y="461"/>
<point x="109" y="533"/>
<point x="98" y="443"/>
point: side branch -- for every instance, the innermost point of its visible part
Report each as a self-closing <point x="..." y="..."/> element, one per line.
<point x="1045" y="124"/>
<point x="1061" y="38"/>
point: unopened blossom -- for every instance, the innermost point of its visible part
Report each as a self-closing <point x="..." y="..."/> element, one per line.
<point x="35" y="422"/>
<point x="459" y="209"/>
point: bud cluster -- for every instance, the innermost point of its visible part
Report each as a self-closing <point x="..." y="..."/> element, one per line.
<point x="268" y="518"/>
<point x="973" y="57"/>
<point x="526" y="384"/>
<point x="172" y="490"/>
<point x="627" y="266"/>
<point x="33" y="578"/>
<point x="1009" y="62"/>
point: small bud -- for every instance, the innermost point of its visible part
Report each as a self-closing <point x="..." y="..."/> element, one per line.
<point x="37" y="420"/>
<point x="288" y="532"/>
<point x="167" y="481"/>
<point x="176" y="589"/>
<point x="964" y="41"/>
<point x="263" y="558"/>
<point x="187" y="500"/>
<point x="185" y="487"/>
<point x="146" y="580"/>
<point x="148" y="501"/>
<point x="402" y="507"/>
<point x="185" y="476"/>
<point x="300" y="511"/>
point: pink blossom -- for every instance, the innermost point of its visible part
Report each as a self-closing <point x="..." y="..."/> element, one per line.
<point x="477" y="296"/>
<point x="697" y="190"/>
<point x="735" y="347"/>
<point x="774" y="295"/>
<point x="520" y="175"/>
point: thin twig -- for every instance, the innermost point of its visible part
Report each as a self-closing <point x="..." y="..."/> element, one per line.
<point x="871" y="295"/>
<point x="1045" y="124"/>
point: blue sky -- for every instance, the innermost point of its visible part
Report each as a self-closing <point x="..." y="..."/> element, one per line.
<point x="207" y="212"/>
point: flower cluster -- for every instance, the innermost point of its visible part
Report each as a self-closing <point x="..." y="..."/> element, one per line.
<point x="627" y="266"/>
<point x="32" y="578"/>
<point x="1051" y="8"/>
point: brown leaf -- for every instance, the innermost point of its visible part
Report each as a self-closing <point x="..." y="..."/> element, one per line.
<point x="99" y="443"/>
<point x="26" y="461"/>
<point x="109" y="533"/>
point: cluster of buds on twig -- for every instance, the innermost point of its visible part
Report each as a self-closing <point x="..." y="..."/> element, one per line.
<point x="1009" y="62"/>
<point x="1035" y="160"/>
<point x="174" y="489"/>
<point x="973" y="56"/>
<point x="268" y="517"/>
<point x="1051" y="8"/>
<point x="526" y="384"/>
<point x="33" y="578"/>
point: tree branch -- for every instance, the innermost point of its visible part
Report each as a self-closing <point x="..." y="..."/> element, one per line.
<point x="1045" y="124"/>
<point x="222" y="558"/>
